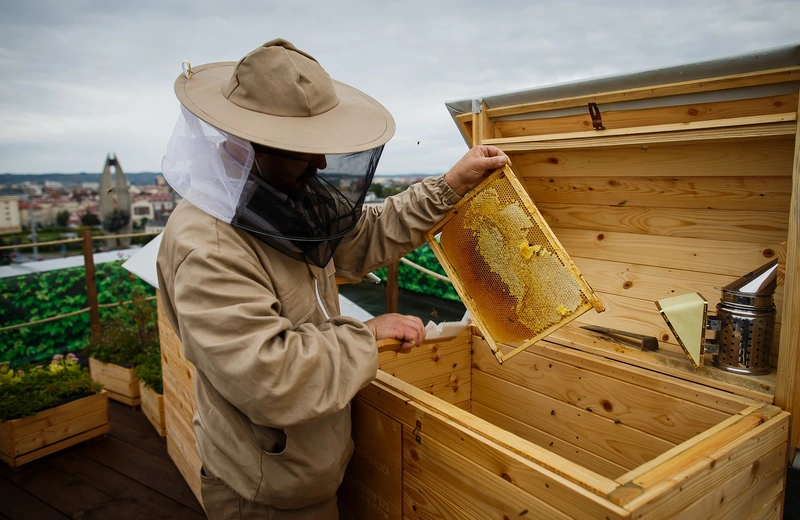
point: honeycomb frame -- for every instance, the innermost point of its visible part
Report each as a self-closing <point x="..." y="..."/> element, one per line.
<point x="491" y="243"/>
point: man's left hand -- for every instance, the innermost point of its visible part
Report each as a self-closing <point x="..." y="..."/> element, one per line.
<point x="474" y="167"/>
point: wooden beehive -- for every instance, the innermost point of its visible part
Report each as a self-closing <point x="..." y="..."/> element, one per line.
<point x="692" y="182"/>
<point x="689" y="181"/>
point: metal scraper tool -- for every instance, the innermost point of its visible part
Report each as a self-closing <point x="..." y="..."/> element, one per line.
<point x="646" y="343"/>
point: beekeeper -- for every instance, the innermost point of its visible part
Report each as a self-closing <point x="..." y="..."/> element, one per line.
<point x="273" y="159"/>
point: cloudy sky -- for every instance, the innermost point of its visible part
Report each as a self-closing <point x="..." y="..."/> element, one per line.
<point x="80" y="79"/>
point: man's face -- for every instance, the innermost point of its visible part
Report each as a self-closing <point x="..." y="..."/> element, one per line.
<point x="287" y="171"/>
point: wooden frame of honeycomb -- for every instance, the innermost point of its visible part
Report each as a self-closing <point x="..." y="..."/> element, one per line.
<point x="511" y="272"/>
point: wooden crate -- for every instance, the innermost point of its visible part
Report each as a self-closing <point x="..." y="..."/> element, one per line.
<point x="30" y="438"/>
<point x="153" y="408"/>
<point x="121" y="383"/>
<point x="179" y="404"/>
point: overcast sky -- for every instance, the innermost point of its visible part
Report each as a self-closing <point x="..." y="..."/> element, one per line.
<point x="80" y="79"/>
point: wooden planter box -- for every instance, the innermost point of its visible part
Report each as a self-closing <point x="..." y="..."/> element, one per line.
<point x="692" y="183"/>
<point x="153" y="408"/>
<point x="30" y="438"/>
<point x="121" y="383"/>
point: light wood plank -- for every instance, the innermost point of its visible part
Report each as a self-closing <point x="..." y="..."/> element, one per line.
<point x="745" y="493"/>
<point x="478" y="491"/>
<point x="453" y="387"/>
<point x="654" y="412"/>
<point x="408" y="404"/>
<point x="729" y="225"/>
<point x="421" y="502"/>
<point x="762" y="77"/>
<point x="558" y="446"/>
<point x="734" y="193"/>
<point x="772" y="510"/>
<point x="649" y="116"/>
<point x="690" y="254"/>
<point x="82" y="417"/>
<point x="787" y="395"/>
<point x="650" y="283"/>
<point x="616" y="442"/>
<point x="645" y="377"/>
<point x="427" y="361"/>
<point x="686" y="479"/>
<point x="650" y="136"/>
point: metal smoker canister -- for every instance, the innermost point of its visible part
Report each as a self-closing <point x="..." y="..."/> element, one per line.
<point x="745" y="320"/>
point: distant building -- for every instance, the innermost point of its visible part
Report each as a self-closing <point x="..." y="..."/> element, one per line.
<point x="10" y="221"/>
<point x="115" y="201"/>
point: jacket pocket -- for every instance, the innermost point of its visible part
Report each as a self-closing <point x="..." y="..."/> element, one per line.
<point x="311" y="467"/>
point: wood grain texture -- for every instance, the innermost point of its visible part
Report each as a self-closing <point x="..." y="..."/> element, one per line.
<point x="421" y="502"/>
<point x="651" y="411"/>
<point x="648" y="116"/>
<point x="558" y="446"/>
<point x="692" y="477"/>
<point x="153" y="408"/>
<point x="689" y="254"/>
<point x="616" y="442"/>
<point x="787" y="395"/>
<point x="734" y="193"/>
<point x="763" y="77"/>
<point x="758" y="388"/>
<point x="729" y="225"/>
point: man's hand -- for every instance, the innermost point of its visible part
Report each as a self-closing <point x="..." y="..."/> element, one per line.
<point x="408" y="329"/>
<point x="474" y="166"/>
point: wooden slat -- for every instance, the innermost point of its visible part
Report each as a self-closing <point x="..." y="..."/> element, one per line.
<point x="452" y="388"/>
<point x="763" y="77"/>
<point x="427" y="361"/>
<point x="116" y="379"/>
<point x="57" y="446"/>
<point x="690" y="254"/>
<point x="644" y="377"/>
<point x="539" y="482"/>
<point x="153" y="408"/>
<point x="772" y="510"/>
<point x="729" y="225"/>
<point x="744" y="494"/>
<point x="421" y="502"/>
<point x="618" y="443"/>
<point x="406" y="403"/>
<point x="82" y="416"/>
<point x="560" y="447"/>
<point x="651" y="411"/>
<point x="688" y="477"/>
<point x="787" y="395"/>
<point x="477" y="491"/>
<point x="654" y="283"/>
<point x="756" y="194"/>
<point x="649" y="116"/>
<point x="758" y="388"/>
<point x="650" y="136"/>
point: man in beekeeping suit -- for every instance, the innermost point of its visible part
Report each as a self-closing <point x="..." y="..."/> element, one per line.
<point x="274" y="159"/>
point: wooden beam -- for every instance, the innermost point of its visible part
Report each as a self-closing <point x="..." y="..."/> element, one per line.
<point x="787" y="393"/>
<point x="91" y="285"/>
<point x="763" y="77"/>
<point x="392" y="288"/>
<point x="682" y="133"/>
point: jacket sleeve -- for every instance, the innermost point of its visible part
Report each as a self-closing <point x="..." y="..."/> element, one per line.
<point x="276" y="374"/>
<point x="386" y="233"/>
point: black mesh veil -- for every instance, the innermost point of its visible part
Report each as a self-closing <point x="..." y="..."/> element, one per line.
<point x="303" y="205"/>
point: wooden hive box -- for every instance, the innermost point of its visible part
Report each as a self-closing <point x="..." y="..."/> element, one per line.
<point x="692" y="183"/>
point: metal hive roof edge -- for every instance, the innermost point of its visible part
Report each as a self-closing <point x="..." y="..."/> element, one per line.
<point x="772" y="58"/>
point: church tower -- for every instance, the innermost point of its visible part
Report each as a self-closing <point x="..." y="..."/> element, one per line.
<point x="115" y="203"/>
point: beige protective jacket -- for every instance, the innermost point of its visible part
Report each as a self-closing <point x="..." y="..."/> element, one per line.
<point x="276" y="365"/>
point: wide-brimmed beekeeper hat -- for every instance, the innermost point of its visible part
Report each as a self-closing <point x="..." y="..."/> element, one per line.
<point x="281" y="97"/>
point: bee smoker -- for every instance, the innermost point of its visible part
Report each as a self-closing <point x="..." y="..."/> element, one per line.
<point x="745" y="322"/>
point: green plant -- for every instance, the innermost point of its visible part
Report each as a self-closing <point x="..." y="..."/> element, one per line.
<point x="27" y="390"/>
<point x="149" y="369"/>
<point x="128" y="331"/>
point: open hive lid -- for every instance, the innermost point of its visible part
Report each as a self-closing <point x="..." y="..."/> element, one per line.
<point x="511" y="272"/>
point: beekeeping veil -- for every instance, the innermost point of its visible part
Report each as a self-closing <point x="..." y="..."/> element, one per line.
<point x="274" y="146"/>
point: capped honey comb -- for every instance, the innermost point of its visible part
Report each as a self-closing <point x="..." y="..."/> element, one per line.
<point x="511" y="272"/>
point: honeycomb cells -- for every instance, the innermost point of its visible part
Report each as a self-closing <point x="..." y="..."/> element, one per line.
<point x="508" y="266"/>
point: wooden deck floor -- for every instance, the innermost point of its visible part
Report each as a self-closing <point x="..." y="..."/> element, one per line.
<point x="127" y="475"/>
